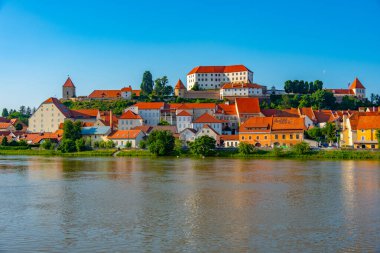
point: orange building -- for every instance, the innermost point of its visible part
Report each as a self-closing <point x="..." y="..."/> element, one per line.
<point x="272" y="131"/>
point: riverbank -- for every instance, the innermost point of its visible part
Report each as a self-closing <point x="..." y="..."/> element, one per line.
<point x="258" y="154"/>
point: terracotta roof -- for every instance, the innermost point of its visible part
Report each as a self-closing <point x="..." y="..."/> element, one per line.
<point x="69" y="83"/>
<point x="136" y="92"/>
<point x="85" y="113"/>
<point x="207" y="118"/>
<point x="179" y="85"/>
<point x="5" y="125"/>
<point x="125" y="134"/>
<point x="341" y="91"/>
<point x="288" y="123"/>
<point x="127" y="89"/>
<point x="129" y="115"/>
<point x="184" y="114"/>
<point x="62" y="108"/>
<point x="293" y="112"/>
<point x="105" y="94"/>
<point x="145" y="128"/>
<point x="38" y="137"/>
<point x="241" y="85"/>
<point x="247" y="105"/>
<point x="227" y="109"/>
<point x="150" y="105"/>
<point x="356" y="84"/>
<point x="218" y="69"/>
<point x="308" y="111"/>
<point x="172" y="129"/>
<point x="256" y="124"/>
<point x="234" y="137"/>
<point x="368" y="122"/>
<point x="324" y="116"/>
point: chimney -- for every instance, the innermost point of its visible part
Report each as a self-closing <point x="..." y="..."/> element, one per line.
<point x="111" y="125"/>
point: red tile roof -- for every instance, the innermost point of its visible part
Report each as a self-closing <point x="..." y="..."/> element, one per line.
<point x="341" y="91"/>
<point x="5" y="125"/>
<point x="69" y="83"/>
<point x="145" y="128"/>
<point x="127" y="89"/>
<point x="125" y="134"/>
<point x="207" y="118"/>
<point x="234" y="137"/>
<point x="247" y="105"/>
<point x="241" y="85"/>
<point x="150" y="105"/>
<point x="105" y="94"/>
<point x="62" y="108"/>
<point x="136" y="92"/>
<point x="227" y="109"/>
<point x="356" y="84"/>
<point x="184" y="114"/>
<point x="368" y="122"/>
<point x="219" y="69"/>
<point x="179" y="85"/>
<point x="324" y="116"/>
<point x="85" y="113"/>
<point x="129" y="115"/>
<point x="288" y="123"/>
<point x="256" y="124"/>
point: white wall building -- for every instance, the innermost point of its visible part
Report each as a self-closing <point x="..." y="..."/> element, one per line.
<point x="213" y="77"/>
<point x="240" y="90"/>
<point x="149" y="112"/>
<point x="129" y="120"/>
<point x="207" y="119"/>
<point x="184" y="120"/>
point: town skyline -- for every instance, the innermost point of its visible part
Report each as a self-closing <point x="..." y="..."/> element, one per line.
<point x="41" y="47"/>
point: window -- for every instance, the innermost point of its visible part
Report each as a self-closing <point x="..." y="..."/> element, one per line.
<point x="242" y="138"/>
<point x="283" y="137"/>
<point x="276" y="137"/>
<point x="250" y="137"/>
<point x="297" y="136"/>
<point x="257" y="137"/>
<point x="291" y="137"/>
<point x="265" y="137"/>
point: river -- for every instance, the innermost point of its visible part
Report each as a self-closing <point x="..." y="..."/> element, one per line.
<point x="188" y="205"/>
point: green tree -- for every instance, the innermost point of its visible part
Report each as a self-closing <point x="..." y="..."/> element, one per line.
<point x="47" y="144"/>
<point x="323" y="99"/>
<point x="378" y="137"/>
<point x="161" y="87"/>
<point x="163" y="123"/>
<point x="18" y="127"/>
<point x="246" y="148"/>
<point x="178" y="146"/>
<point x="128" y="144"/>
<point x="142" y="144"/>
<point x="23" y="143"/>
<point x="67" y="146"/>
<point x="4" y="141"/>
<point x="22" y="110"/>
<point x="330" y="132"/>
<point x="109" y="144"/>
<point x="72" y="130"/>
<point x="195" y="87"/>
<point x="315" y="133"/>
<point x="80" y="145"/>
<point x="301" y="148"/>
<point x="160" y="142"/>
<point x="204" y="146"/>
<point x="5" y="113"/>
<point x="147" y="84"/>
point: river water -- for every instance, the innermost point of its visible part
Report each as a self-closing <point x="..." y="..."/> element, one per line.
<point x="188" y="205"/>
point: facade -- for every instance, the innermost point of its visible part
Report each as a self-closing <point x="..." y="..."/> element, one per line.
<point x="98" y="133"/>
<point x="211" y="121"/>
<point x="241" y="90"/>
<point x="187" y="135"/>
<point x="150" y="112"/>
<point x="124" y="93"/>
<point x="247" y="108"/>
<point x="7" y="127"/>
<point x="229" y="141"/>
<point x="272" y="131"/>
<point x="213" y="77"/>
<point x="183" y="120"/>
<point x="207" y="130"/>
<point x="68" y="89"/>
<point x="356" y="89"/>
<point x="128" y="120"/>
<point x="122" y="137"/>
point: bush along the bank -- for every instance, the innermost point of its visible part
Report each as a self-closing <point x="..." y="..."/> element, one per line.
<point x="301" y="148"/>
<point x="245" y="148"/>
<point x="204" y="146"/>
<point x="161" y="142"/>
<point x="72" y="140"/>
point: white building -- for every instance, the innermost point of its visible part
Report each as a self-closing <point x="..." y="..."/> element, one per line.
<point x="129" y="120"/>
<point x="150" y="112"/>
<point x="240" y="90"/>
<point x="213" y="77"/>
<point x="207" y="119"/>
<point x="183" y="120"/>
<point x="122" y="137"/>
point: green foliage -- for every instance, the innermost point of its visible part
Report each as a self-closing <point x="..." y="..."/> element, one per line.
<point x="22" y="143"/>
<point x="315" y="133"/>
<point x="301" y="148"/>
<point x="142" y="144"/>
<point x="161" y="87"/>
<point x="178" y="146"/>
<point x="245" y="148"/>
<point x="323" y="99"/>
<point x="163" y="123"/>
<point x="116" y="106"/>
<point x="204" y="146"/>
<point x="88" y="142"/>
<point x="80" y="145"/>
<point x="195" y="87"/>
<point x="71" y="130"/>
<point x="128" y="144"/>
<point x="147" y="84"/>
<point x="5" y="113"/>
<point x="330" y="132"/>
<point x="160" y="142"/>
<point x="302" y="87"/>
<point x="18" y="127"/>
<point x="378" y="136"/>
<point x="277" y="151"/>
<point x="4" y="141"/>
<point x="67" y="146"/>
<point x="47" y="144"/>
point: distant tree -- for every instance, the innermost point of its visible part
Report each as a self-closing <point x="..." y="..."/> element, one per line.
<point x="142" y="144"/>
<point x="164" y="123"/>
<point x="178" y="146"/>
<point x="301" y="148"/>
<point x="195" y="87"/>
<point x="246" y="148"/>
<point x="80" y="145"/>
<point x="204" y="146"/>
<point x="5" y="113"/>
<point x="315" y="133"/>
<point x="4" y="141"/>
<point x="28" y="111"/>
<point x="47" y="144"/>
<point x="110" y="144"/>
<point x="378" y="137"/>
<point x="318" y="85"/>
<point x="305" y="101"/>
<point x="22" y="110"/>
<point x="67" y="146"/>
<point x="323" y="99"/>
<point x="19" y="126"/>
<point x="128" y="144"/>
<point x="147" y="84"/>
<point x="72" y="130"/>
<point x="161" y="87"/>
<point x="330" y="132"/>
<point x="160" y="142"/>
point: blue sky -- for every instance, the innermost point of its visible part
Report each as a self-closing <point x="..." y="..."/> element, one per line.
<point x="109" y="44"/>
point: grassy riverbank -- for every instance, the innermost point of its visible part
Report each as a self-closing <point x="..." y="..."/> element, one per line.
<point x="258" y="154"/>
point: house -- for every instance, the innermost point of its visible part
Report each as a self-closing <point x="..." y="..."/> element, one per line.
<point x="227" y="112"/>
<point x="7" y="127"/>
<point x="85" y="115"/>
<point x="184" y="119"/>
<point x="324" y="116"/>
<point x="247" y="108"/>
<point x="150" y="112"/>
<point x="356" y="89"/>
<point x="207" y="130"/>
<point x="207" y="119"/>
<point x="122" y="137"/>
<point x="96" y="133"/>
<point x="272" y="131"/>
<point x="360" y="130"/>
<point x="213" y="77"/>
<point x="234" y="90"/>
<point x="129" y="120"/>
<point x="229" y="141"/>
<point x="187" y="135"/>
<point x="39" y="138"/>
<point x="124" y="93"/>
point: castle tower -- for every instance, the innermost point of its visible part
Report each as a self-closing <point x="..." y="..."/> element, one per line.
<point x="179" y="89"/>
<point x="358" y="88"/>
<point x="68" y="89"/>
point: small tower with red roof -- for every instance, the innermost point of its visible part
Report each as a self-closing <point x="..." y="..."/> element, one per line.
<point x="179" y="89"/>
<point x="68" y="89"/>
<point x="358" y="88"/>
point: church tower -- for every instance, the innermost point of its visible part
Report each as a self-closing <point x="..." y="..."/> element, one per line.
<point x="179" y="89"/>
<point x="68" y="89"/>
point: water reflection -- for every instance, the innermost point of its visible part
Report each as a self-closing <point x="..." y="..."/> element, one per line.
<point x="188" y="205"/>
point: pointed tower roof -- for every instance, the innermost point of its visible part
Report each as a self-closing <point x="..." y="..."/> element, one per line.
<point x="356" y="84"/>
<point x="69" y="83"/>
<point x="180" y="85"/>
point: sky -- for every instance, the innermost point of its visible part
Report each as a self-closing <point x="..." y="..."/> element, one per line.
<point x="109" y="44"/>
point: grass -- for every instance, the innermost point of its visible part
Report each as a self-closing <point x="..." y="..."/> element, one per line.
<point x="41" y="152"/>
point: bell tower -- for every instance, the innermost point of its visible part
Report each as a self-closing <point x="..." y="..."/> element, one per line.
<point x="68" y="89"/>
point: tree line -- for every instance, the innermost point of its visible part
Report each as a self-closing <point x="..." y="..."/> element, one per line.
<point x="160" y="87"/>
<point x="302" y="87"/>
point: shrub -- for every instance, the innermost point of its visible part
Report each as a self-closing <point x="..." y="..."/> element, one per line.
<point x="67" y="146"/>
<point x="109" y="144"/>
<point x="142" y="144"/>
<point x="80" y="145"/>
<point x="246" y="148"/>
<point x="277" y="151"/>
<point x="161" y="142"/>
<point x="128" y="144"/>
<point x="47" y="144"/>
<point x="204" y="145"/>
<point x="301" y="148"/>
<point x="4" y="141"/>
